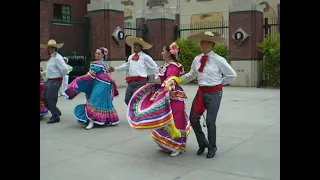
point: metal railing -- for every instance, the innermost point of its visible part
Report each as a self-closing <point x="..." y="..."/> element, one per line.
<point x="219" y="27"/>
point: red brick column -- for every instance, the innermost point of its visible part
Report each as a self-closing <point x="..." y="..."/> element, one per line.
<point x="246" y="59"/>
<point x="160" y="33"/>
<point x="46" y="8"/>
<point x="177" y="23"/>
<point x="252" y="23"/>
<point x="102" y="24"/>
<point x="139" y="23"/>
<point x="178" y="19"/>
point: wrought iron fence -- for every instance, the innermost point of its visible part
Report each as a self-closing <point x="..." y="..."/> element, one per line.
<point x="219" y="27"/>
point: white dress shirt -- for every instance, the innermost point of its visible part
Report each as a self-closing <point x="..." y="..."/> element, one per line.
<point x="212" y="72"/>
<point x="143" y="67"/>
<point x="56" y="67"/>
<point x="70" y="68"/>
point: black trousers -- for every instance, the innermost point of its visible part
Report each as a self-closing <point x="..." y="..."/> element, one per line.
<point x="212" y="105"/>
<point x="132" y="87"/>
<point x="50" y="97"/>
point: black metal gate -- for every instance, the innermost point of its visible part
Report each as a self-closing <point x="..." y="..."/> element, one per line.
<point x="75" y="36"/>
<point x="271" y="26"/>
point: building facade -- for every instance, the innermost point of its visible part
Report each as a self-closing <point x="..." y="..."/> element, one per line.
<point x="84" y="25"/>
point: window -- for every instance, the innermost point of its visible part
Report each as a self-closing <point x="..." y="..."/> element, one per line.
<point x="62" y="12"/>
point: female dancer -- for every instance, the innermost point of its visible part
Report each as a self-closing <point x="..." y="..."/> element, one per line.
<point x="154" y="107"/>
<point x="100" y="90"/>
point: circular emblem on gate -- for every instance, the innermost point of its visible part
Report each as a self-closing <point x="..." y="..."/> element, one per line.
<point x="120" y="35"/>
<point x="239" y="36"/>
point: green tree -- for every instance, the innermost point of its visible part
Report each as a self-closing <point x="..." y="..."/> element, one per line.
<point x="189" y="51"/>
<point x="270" y="48"/>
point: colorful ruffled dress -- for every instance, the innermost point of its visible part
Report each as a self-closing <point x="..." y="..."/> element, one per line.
<point x="154" y="107"/>
<point x="43" y="109"/>
<point x="100" y="89"/>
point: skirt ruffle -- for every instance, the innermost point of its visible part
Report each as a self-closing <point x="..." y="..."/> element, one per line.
<point x="151" y="107"/>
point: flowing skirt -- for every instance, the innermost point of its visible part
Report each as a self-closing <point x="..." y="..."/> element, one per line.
<point x="155" y="108"/>
<point x="99" y="107"/>
<point x="43" y="108"/>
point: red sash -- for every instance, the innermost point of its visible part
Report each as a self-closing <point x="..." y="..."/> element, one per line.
<point x="199" y="105"/>
<point x="136" y="79"/>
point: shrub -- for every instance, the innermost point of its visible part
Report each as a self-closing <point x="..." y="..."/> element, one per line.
<point x="190" y="50"/>
<point x="270" y="48"/>
<point x="223" y="51"/>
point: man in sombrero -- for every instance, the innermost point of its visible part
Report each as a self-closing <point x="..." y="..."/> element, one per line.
<point x="55" y="71"/>
<point x="139" y="64"/>
<point x="212" y="72"/>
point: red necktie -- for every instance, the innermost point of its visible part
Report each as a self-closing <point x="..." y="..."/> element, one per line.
<point x="135" y="57"/>
<point x="203" y="62"/>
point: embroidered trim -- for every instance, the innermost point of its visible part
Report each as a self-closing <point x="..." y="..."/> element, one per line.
<point x="163" y="68"/>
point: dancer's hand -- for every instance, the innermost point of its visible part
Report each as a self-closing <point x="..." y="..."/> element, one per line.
<point x="170" y="85"/>
<point x="111" y="69"/>
<point x="171" y="82"/>
<point x="174" y="132"/>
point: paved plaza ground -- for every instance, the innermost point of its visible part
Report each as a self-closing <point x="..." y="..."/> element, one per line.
<point x="248" y="140"/>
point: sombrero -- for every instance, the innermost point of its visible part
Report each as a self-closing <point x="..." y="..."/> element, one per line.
<point x="130" y="40"/>
<point x="52" y="43"/>
<point x="206" y="36"/>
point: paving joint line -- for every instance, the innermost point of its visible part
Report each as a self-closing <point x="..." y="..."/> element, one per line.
<point x="223" y="153"/>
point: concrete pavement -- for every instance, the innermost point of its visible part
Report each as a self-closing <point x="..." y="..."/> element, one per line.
<point x="248" y="128"/>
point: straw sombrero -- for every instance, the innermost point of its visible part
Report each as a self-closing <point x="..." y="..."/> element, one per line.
<point x="206" y="36"/>
<point x="52" y="43"/>
<point x="130" y="40"/>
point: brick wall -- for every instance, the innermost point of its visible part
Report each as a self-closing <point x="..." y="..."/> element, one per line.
<point x="102" y="25"/>
<point x="254" y="30"/>
<point x="160" y="33"/>
<point x="45" y="14"/>
<point x="140" y="23"/>
<point x="78" y="8"/>
<point x="70" y="35"/>
<point x="97" y="31"/>
<point x="117" y="50"/>
<point x="177" y="21"/>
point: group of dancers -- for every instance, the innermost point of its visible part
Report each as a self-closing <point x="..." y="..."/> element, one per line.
<point x="160" y="108"/>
